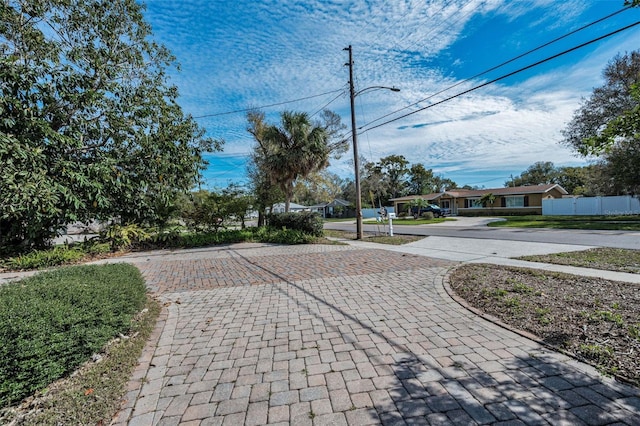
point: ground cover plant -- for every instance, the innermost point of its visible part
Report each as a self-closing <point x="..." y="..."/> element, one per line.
<point x="620" y="223"/>
<point x="607" y="258"/>
<point x="594" y="319"/>
<point x="91" y="395"/>
<point x="53" y="322"/>
<point x="132" y="238"/>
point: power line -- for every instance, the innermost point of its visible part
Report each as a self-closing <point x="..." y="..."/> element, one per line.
<point x="342" y="93"/>
<point x="270" y="105"/>
<point x="506" y="75"/>
<point x="500" y="65"/>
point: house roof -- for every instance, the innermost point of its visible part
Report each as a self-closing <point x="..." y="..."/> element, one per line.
<point x="427" y="197"/>
<point x="291" y="206"/>
<point x="463" y="193"/>
<point x="339" y="202"/>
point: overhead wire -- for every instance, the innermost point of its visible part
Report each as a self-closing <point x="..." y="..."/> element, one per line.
<point x="500" y="65"/>
<point x="506" y="75"/>
<point x="342" y="93"/>
<point x="269" y="105"/>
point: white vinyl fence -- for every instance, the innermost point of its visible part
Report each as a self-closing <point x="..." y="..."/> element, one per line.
<point x="591" y="206"/>
<point x="369" y="213"/>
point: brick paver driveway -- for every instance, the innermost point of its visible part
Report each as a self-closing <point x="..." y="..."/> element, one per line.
<point x="337" y="335"/>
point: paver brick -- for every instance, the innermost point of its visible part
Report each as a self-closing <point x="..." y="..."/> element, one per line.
<point x="305" y="334"/>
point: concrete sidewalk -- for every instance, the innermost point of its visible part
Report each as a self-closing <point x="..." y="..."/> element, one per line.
<point x="499" y="252"/>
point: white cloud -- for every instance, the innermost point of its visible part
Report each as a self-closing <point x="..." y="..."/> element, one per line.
<point x="236" y="55"/>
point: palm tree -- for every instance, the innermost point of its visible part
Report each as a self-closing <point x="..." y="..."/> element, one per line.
<point x="293" y="150"/>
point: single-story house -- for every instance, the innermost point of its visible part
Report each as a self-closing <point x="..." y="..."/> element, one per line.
<point x="293" y="207"/>
<point x="336" y="208"/>
<point x="470" y="202"/>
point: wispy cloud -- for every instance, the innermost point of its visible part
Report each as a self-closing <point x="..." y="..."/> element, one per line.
<point x="237" y="55"/>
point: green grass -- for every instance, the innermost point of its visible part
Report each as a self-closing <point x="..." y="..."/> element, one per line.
<point x="53" y="322"/>
<point x="381" y="239"/>
<point x="620" y="223"/>
<point x="411" y="221"/>
<point x="605" y="258"/>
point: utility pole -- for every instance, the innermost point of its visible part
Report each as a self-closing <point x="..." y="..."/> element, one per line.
<point x="356" y="160"/>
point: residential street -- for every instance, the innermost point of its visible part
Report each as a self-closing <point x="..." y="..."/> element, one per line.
<point x="471" y="228"/>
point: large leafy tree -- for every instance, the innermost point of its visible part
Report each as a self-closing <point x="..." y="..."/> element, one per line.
<point x="607" y="125"/>
<point x="386" y="178"/>
<point x="599" y="122"/>
<point x="539" y="173"/>
<point x="294" y="149"/>
<point x="423" y="181"/>
<point x="90" y="127"/>
<point x="420" y="180"/>
<point x="317" y="188"/>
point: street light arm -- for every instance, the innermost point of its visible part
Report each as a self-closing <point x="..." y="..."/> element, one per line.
<point x="393" y="89"/>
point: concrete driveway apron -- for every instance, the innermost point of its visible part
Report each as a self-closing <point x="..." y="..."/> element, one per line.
<point x="340" y="335"/>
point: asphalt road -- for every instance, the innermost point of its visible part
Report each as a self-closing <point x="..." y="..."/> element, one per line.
<point x="617" y="239"/>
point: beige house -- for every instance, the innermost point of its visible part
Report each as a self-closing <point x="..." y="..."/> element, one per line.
<point x="519" y="200"/>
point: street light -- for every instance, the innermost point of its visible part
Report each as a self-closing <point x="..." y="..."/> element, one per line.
<point x="356" y="160"/>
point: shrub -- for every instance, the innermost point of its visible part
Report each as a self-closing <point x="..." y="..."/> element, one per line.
<point x="427" y="215"/>
<point x="53" y="322"/>
<point x="283" y="236"/>
<point x="306" y="222"/>
<point x="123" y="236"/>
<point x="37" y="259"/>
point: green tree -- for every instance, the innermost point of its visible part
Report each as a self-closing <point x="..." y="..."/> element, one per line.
<point x="237" y="203"/>
<point x="295" y="149"/>
<point x="416" y="204"/>
<point x="574" y="180"/>
<point x="539" y="173"/>
<point x="90" y="126"/>
<point x="603" y="119"/>
<point x="318" y="187"/>
<point x="420" y="180"/>
<point x="488" y="200"/>
<point x="386" y="179"/>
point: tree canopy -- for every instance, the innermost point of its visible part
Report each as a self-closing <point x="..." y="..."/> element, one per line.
<point x="393" y="176"/>
<point x="607" y="125"/>
<point x="604" y="118"/>
<point x="90" y="126"/>
<point x="294" y="149"/>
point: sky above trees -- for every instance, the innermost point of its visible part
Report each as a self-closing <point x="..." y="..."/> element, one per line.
<point x="239" y="55"/>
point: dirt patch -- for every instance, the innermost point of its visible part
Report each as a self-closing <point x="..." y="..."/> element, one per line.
<point x="594" y="319"/>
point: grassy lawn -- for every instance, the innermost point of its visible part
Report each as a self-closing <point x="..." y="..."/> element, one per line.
<point x="411" y="221"/>
<point x="620" y="223"/>
<point x="373" y="238"/>
<point x="610" y="259"/>
<point x="52" y="324"/>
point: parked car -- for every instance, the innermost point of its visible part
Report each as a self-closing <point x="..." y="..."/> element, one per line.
<point x="436" y="210"/>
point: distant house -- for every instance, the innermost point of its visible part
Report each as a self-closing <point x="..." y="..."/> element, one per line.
<point x="336" y="208"/>
<point x="506" y="201"/>
<point x="293" y="207"/>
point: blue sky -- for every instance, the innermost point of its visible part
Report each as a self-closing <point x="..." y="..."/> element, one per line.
<point x="235" y="55"/>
